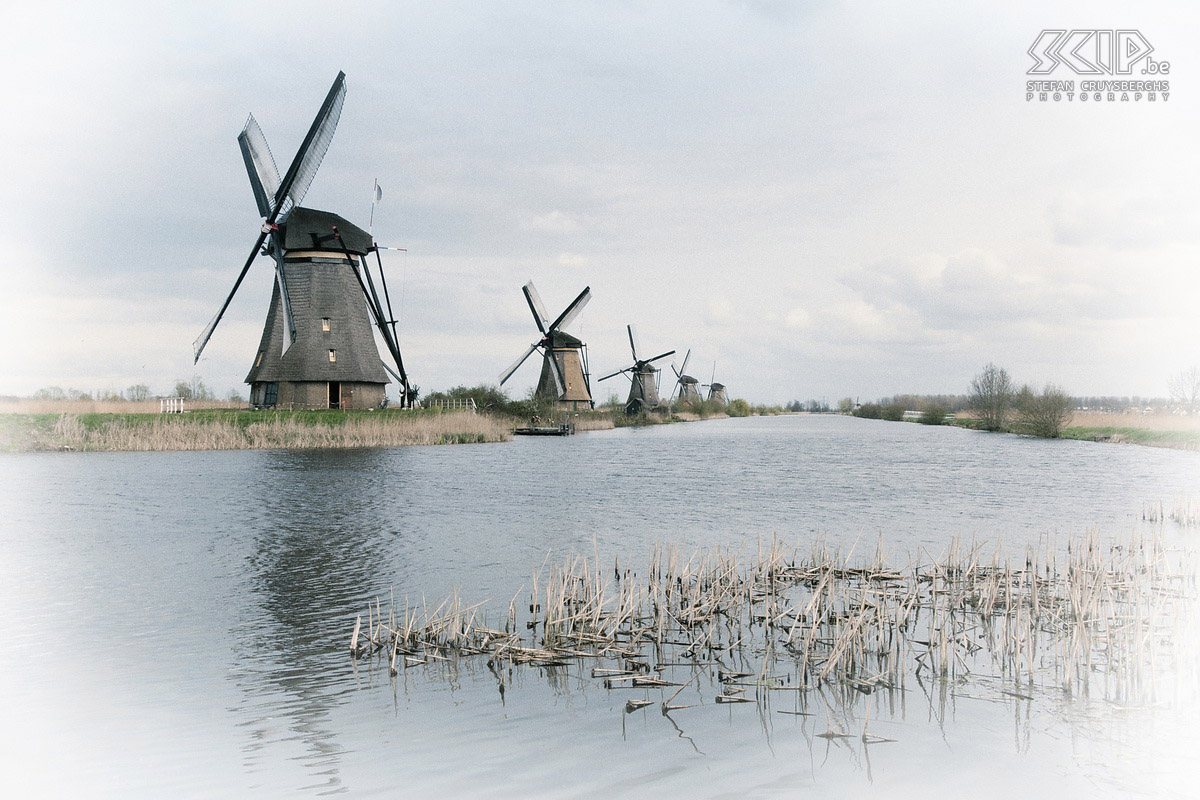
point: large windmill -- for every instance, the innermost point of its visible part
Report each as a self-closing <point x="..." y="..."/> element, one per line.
<point x="317" y="348"/>
<point x="687" y="387"/>
<point x="643" y="389"/>
<point x="564" y="358"/>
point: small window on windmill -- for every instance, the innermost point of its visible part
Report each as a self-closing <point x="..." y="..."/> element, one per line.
<point x="333" y="355"/>
<point x="325" y="326"/>
<point x="258" y="361"/>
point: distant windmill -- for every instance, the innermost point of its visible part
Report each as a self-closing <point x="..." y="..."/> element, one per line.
<point x="643" y="390"/>
<point x="716" y="391"/>
<point x="564" y="358"/>
<point x="686" y="386"/>
<point x="317" y="349"/>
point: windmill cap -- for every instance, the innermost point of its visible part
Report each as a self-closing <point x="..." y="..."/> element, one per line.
<point x="309" y="229"/>
<point x="560" y="339"/>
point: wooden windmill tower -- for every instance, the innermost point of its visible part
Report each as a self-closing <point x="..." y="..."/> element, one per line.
<point x="643" y="388"/>
<point x="317" y="348"/>
<point x="687" y="387"/>
<point x="564" y="376"/>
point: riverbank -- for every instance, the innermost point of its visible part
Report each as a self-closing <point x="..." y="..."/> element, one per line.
<point x="1152" y="430"/>
<point x="1175" y="431"/>
<point x="245" y="430"/>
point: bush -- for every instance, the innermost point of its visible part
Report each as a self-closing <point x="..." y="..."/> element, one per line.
<point x="992" y="397"/>
<point x="893" y="412"/>
<point x="738" y="408"/>
<point x="933" y="414"/>
<point x="1045" y="414"/>
<point x="869" y="411"/>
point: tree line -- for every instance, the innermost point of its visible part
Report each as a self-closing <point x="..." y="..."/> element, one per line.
<point x="195" y="389"/>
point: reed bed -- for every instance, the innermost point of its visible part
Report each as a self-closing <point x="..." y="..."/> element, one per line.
<point x="173" y="432"/>
<point x="1116" y="622"/>
<point x="1184" y="511"/>
<point x="592" y="422"/>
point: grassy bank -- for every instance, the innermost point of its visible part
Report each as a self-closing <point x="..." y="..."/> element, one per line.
<point x="1179" y="440"/>
<point x="244" y="430"/>
<point x="1154" y="430"/>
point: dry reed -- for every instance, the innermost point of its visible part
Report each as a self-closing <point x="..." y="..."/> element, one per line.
<point x="169" y="432"/>
<point x="1116" y="621"/>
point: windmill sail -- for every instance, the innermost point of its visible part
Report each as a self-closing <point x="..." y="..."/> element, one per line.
<point x="260" y="166"/>
<point x="312" y="152"/>
<point x="276" y="198"/>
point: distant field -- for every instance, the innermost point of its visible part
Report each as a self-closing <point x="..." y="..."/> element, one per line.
<point x="26" y="406"/>
<point x="1153" y="422"/>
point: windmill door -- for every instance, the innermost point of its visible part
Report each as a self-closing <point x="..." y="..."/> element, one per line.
<point x="335" y="394"/>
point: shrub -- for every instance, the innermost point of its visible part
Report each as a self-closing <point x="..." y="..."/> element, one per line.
<point x="738" y="408"/>
<point x="933" y="414"/>
<point x="1045" y="414"/>
<point x="869" y="411"/>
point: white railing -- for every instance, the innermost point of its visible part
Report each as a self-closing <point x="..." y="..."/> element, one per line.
<point x="454" y="405"/>
<point x="170" y="405"/>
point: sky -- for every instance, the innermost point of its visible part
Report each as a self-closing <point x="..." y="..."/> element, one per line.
<point x="819" y="199"/>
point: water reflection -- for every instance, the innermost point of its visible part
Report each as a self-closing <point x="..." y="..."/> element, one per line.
<point x="318" y="538"/>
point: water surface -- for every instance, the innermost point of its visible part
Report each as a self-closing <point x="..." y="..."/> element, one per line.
<point x="178" y="621"/>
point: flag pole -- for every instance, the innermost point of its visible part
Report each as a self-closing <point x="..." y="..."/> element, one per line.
<point x="374" y="198"/>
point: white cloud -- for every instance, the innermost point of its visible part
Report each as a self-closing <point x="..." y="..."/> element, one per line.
<point x="553" y="222"/>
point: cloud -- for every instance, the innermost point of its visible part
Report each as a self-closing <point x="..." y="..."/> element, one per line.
<point x="720" y="310"/>
<point x="553" y="222"/>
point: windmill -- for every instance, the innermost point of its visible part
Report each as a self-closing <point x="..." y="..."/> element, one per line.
<point x="687" y="387"/>
<point x="564" y="358"/>
<point x="643" y="389"/>
<point x="317" y="348"/>
<point x="716" y="391"/>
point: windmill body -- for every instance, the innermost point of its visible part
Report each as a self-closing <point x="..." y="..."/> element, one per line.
<point x="689" y="391"/>
<point x="643" y="378"/>
<point x="317" y="348"/>
<point x="687" y="387"/>
<point x="564" y="377"/>
<point x="333" y="362"/>
<point x="565" y="355"/>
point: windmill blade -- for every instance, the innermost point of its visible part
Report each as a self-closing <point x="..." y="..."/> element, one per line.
<point x="572" y="311"/>
<point x="260" y="166"/>
<point x="683" y="369"/>
<point x="202" y="340"/>
<point x="516" y="364"/>
<point x="535" y="305"/>
<point x="615" y="374"/>
<point x="632" y="341"/>
<point x="312" y="151"/>
<point x="656" y="358"/>
<point x="556" y="373"/>
<point x="678" y="374"/>
<point x="289" y="319"/>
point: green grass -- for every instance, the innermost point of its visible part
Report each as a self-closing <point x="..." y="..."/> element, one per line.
<point x="1181" y="440"/>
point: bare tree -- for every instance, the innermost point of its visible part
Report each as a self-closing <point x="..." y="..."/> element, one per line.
<point x="992" y="396"/>
<point x="1046" y="414"/>
<point x="138" y="392"/>
<point x="1185" y="389"/>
